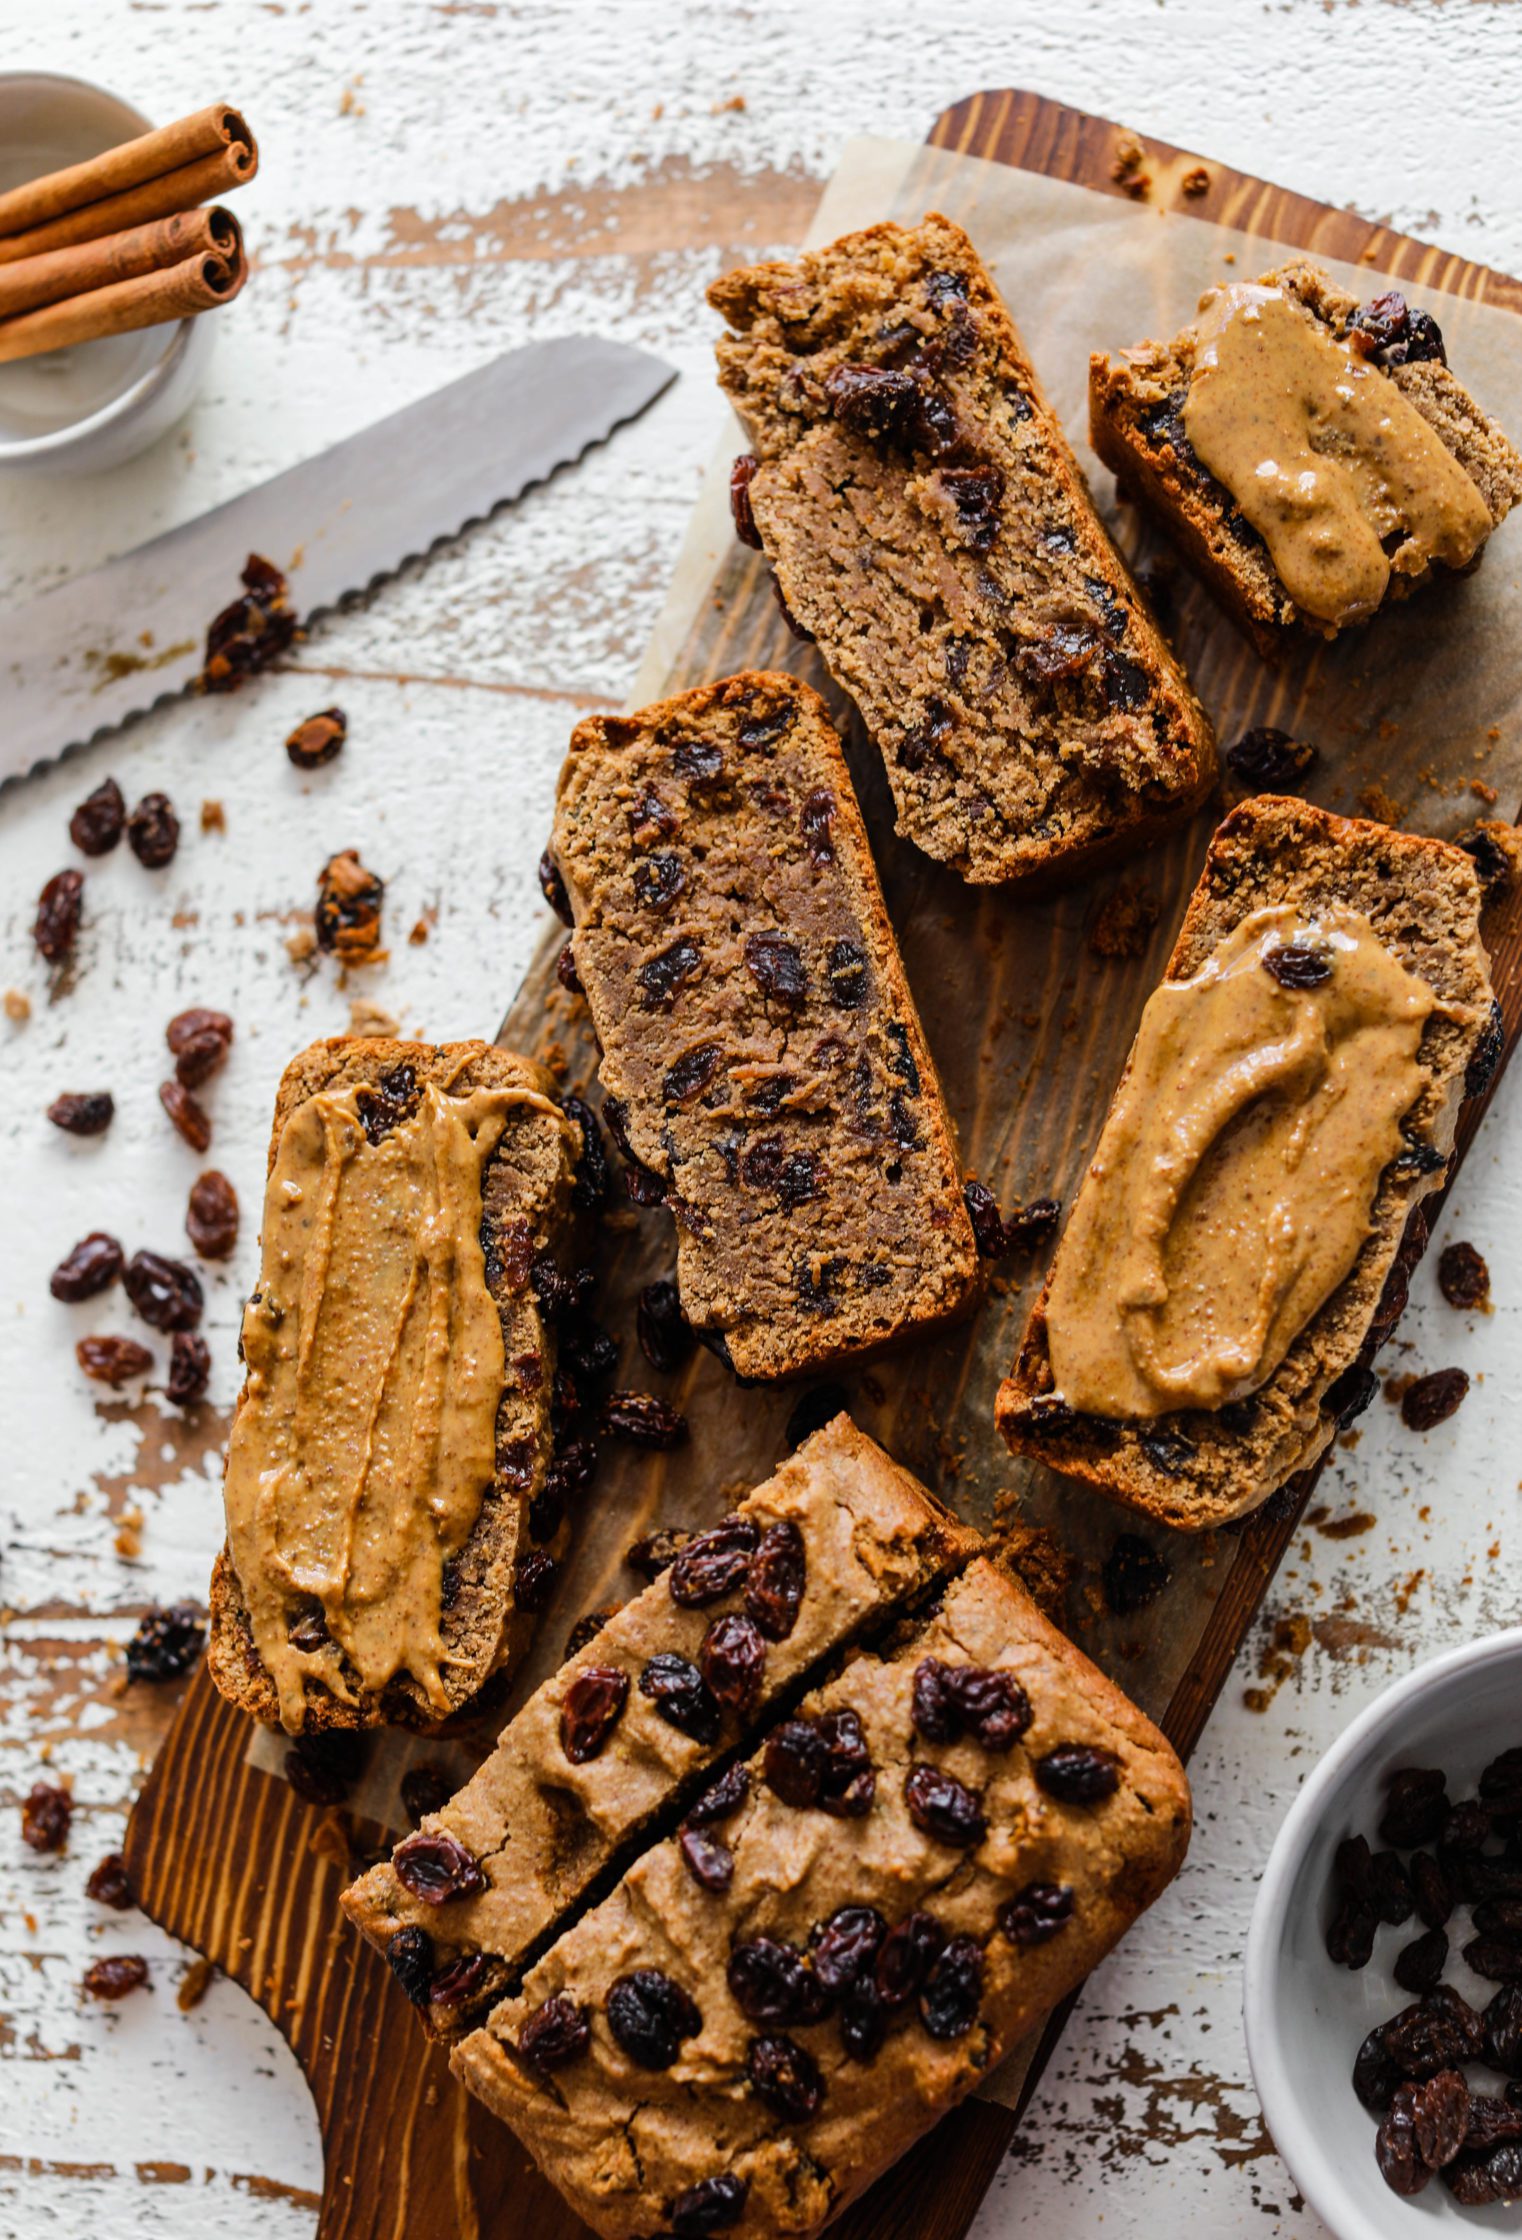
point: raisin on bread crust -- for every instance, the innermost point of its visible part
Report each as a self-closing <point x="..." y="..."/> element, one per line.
<point x="760" y="1047"/>
<point x="1199" y="1467"/>
<point x="526" y="1211"/>
<point x="930" y="528"/>
<point x="1136" y="424"/>
<point x="862" y="1538"/>
<point x="778" y="2065"/>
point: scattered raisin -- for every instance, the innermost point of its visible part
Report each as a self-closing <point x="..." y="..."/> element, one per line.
<point x="56" y="926"/>
<point x="845" y="1947"/>
<point x="457" y="1983"/>
<point x="681" y="1696"/>
<point x="1392" y="334"/>
<point x="45" y="1817"/>
<point x="662" y="975"/>
<point x="664" y="1332"/>
<point x="1416" y="1807"/>
<point x="188" y="1114"/>
<point x="552" y="887"/>
<point x="97" y="824"/>
<point x="409" y="1955"/>
<point x="167" y="1642"/>
<point x="980" y="1700"/>
<point x="1488" y="1052"/>
<point x="943" y="1807"/>
<point x="656" y="1553"/>
<point x="1462" y="1276"/>
<point x="1389" y="1889"/>
<point x="166" y="1293"/>
<point x="436" y="1867"/>
<point x="85" y="1113"/>
<point x="1270" y="761"/>
<point x="1434" y="1896"/>
<point x="733" y="1662"/>
<point x="1376" y="2077"/>
<point x="199" y="1041"/>
<point x="1350" y="1934"/>
<point x="846" y="971"/>
<point x="815" y="820"/>
<point x="721" y="1799"/>
<point x="772" y="1982"/>
<point x="211" y="1217"/>
<point x="349" y="904"/>
<point x="785" y="2077"/>
<point x="741" y="475"/>
<point x="1420" y="1964"/>
<point x="1440" y="2113"/>
<point x="1433" y="1399"/>
<point x="555" y="2033"/>
<point x="1168" y="1451"/>
<point x="658" y="880"/>
<point x="712" y="2205"/>
<point x="1078" y="1773"/>
<point x="252" y="632"/>
<point x="1395" y="2148"/>
<point x="775" y="1579"/>
<point x="712" y="1562"/>
<point x="318" y="739"/>
<point x="649" y="2016"/>
<point x="1348" y="1395"/>
<point x="566" y="973"/>
<point x="322" y="1768"/>
<point x="189" y="1368"/>
<point x="776" y="965"/>
<point x="689" y="1075"/>
<point x="534" y="1580"/>
<point x="817" y="1408"/>
<point x="425" y="1788"/>
<point x="639" y="1419"/>
<point x="1498" y="1962"/>
<point x="1502" y="2024"/>
<point x="1134" y="1574"/>
<point x="1477" y="2181"/>
<point x="591" y="1709"/>
<point x="978" y="495"/>
<point x="153" y="831"/>
<point x="113" y="1361"/>
<point x="953" y="1989"/>
<point x="905" y="1958"/>
<point x="822" y="1762"/>
<point x="108" y="1884"/>
<point x="1441" y="2031"/>
<point x="1295" y="966"/>
<point x="94" y="1263"/>
<point x="1037" y="1913"/>
<point x="707" y="1859"/>
<point x="115" y="1976"/>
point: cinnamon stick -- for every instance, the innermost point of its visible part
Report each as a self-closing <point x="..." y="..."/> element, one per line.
<point x="131" y="164"/>
<point x="60" y="273"/>
<point x="202" y="181"/>
<point x="180" y="291"/>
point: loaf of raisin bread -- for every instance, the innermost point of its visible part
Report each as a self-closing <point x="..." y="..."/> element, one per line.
<point x="1284" y="890"/>
<point x="908" y="1875"/>
<point x="837" y="1542"/>
<point x="392" y="1519"/>
<point x="1139" y="403"/>
<point x="763" y="1059"/>
<point x="930" y="528"/>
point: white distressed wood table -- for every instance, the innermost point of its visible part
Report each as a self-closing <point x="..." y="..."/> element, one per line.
<point x="439" y="182"/>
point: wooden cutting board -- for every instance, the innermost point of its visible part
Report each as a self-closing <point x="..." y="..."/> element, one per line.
<point x="230" y="1860"/>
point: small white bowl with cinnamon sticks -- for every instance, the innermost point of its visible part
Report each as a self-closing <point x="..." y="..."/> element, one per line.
<point x="114" y="243"/>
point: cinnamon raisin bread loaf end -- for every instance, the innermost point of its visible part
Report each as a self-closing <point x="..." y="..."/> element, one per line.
<point x="1386" y="473"/>
<point x="394" y="1425"/>
<point x="631" y="1728"/>
<point x="930" y="528"/>
<point x="1240" y="1245"/>
<point x="760" y="1046"/>
<point x="939" y="1845"/>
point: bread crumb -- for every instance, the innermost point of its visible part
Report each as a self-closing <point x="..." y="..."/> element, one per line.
<point x="1375" y="802"/>
<point x="129" y="1539"/>
<point x="301" y="945"/>
<point x="18" y="1008"/>
<point x="194" y="1984"/>
<point x="419" y="933"/>
<point x="213" y="817"/>
<point x="1483" y="792"/>
<point x="734" y="104"/>
<point x="1124" y="923"/>
<point x="1197" y="181"/>
<point x="367" y="1018"/>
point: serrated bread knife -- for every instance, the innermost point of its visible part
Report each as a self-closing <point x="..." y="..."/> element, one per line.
<point x="81" y="659"/>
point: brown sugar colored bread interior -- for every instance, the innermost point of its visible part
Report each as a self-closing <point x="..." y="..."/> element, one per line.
<point x="1016" y="1879"/>
<point x="1200" y="1467"/>
<point x="760" y="1046"/>
<point x="929" y="526"/>
<point x="543" y="1830"/>
<point x="1136" y="424"/>
<point x="527" y="1211"/>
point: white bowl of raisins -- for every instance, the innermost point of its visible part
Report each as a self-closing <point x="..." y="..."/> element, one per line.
<point x="1382" y="1991"/>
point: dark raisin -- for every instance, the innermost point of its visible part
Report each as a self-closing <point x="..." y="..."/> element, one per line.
<point x="318" y="739"/>
<point x="97" y="823"/>
<point x="1440" y="2112"/>
<point x="1350" y="1934"/>
<point x="1491" y="2121"/>
<point x="1462" y="1276"/>
<point x="385" y="1104"/>
<point x="1348" y="1395"/>
<point x="1395" y="2148"/>
<point x="721" y="1799"/>
<point x="199" y="1041"/>
<point x="1419" y="1157"/>
<point x="94" y="1263"/>
<point x="350" y="899"/>
<point x="153" y="831"/>
<point x="115" y="1976"/>
<point x="1475" y="2181"/>
<point x="1390" y="333"/>
<point x="665" y="1335"/>
<point x="588" y="1351"/>
<point x="566" y="973"/>
<point x="772" y="1982"/>
<point x="980" y="1700"/>
<point x="707" y="1859"/>
<point x="113" y="1361"/>
<point x="211" y="1217"/>
<point x="1270" y="761"/>
<point x="1433" y="1399"/>
<point x="108" y="1884"/>
<point x="665" y="973"/>
<point x="1493" y="849"/>
<point x="1078" y="1773"/>
<point x="189" y="1368"/>
<point x="552" y="887"/>
<point x="1442" y="2031"/>
<point x="1168" y="1451"/>
<point x="1434" y="1896"/>
<point x="775" y="1579"/>
<point x="534" y="1579"/>
<point x="638" y="1419"/>
<point x="1375" y="2075"/>
<point x="943" y="1807"/>
<point x="681" y="1696"/>
<point x="571" y="1470"/>
<point x="409" y="1955"/>
<point x="656" y="1553"/>
<point x="45" y="1817"/>
<point x="689" y="1075"/>
<point x="555" y="2033"/>
<point x="166" y="1293"/>
<point x="1389" y="1889"/>
<point x="457" y="1983"/>
<point x="733" y="1662"/>
<point x="425" y="1788"/>
<point x="785" y="2078"/>
<point x="586" y="1629"/>
<point x="741" y="475"/>
<point x="323" y="1768"/>
<point x="776" y="965"/>
<point x="712" y="2205"/>
<point x="167" y="1642"/>
<point x="1501" y="1782"/>
<point x="589" y="1191"/>
<point x="252" y="632"/>
<point x="658" y="880"/>
<point x="846" y="1946"/>
<point x="815" y="820"/>
<point x="649" y="2016"/>
<point x="591" y="1709"/>
<point x="1419" y="1965"/>
<point x="877" y="403"/>
<point x="846" y="971"/>
<point x="1295" y="966"/>
<point x="905" y="1958"/>
<point x="712" y="1562"/>
<point x="1488" y="1052"/>
<point x="1066" y="650"/>
<point x="1037" y="1913"/>
<point x="1134" y="1574"/>
<point x="188" y="1115"/>
<point x="56" y="926"/>
<point x="1416" y="1807"/>
<point x="1031" y="1225"/>
<point x="794" y="1761"/>
<point x="1497" y="1962"/>
<point x="1500" y="1917"/>
<point x="817" y="1408"/>
<point x="863" y="2019"/>
<point x="1503" y="2030"/>
<point x="953" y="1990"/>
<point x="978" y="495"/>
<point x="87" y="1113"/>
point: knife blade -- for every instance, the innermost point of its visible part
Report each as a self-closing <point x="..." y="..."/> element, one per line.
<point x="111" y="644"/>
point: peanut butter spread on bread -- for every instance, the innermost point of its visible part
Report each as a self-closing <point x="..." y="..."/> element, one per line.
<point x="1338" y="472"/>
<point x="1234" y="1182"/>
<point x="365" y="1443"/>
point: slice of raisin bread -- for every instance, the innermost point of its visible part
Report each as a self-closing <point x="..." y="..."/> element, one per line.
<point x="1136" y="420"/>
<point x="930" y="528"/>
<point x="760" y="1046"/>
<point x="525" y="1217"/>
<point x="836" y="1542"/>
<point x="1199" y="1467"/>
<point x="924" y="1861"/>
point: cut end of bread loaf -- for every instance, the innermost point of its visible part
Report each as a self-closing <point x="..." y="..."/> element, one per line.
<point x="1199" y="1468"/>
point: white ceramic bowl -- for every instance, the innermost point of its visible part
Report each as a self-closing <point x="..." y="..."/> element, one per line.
<point x="1307" y="2018"/>
<point x="79" y="410"/>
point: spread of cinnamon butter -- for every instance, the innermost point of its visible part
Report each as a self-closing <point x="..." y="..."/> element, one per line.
<point x="365" y="1440"/>
<point x="1333" y="466"/>
<point x="1233" y="1184"/>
